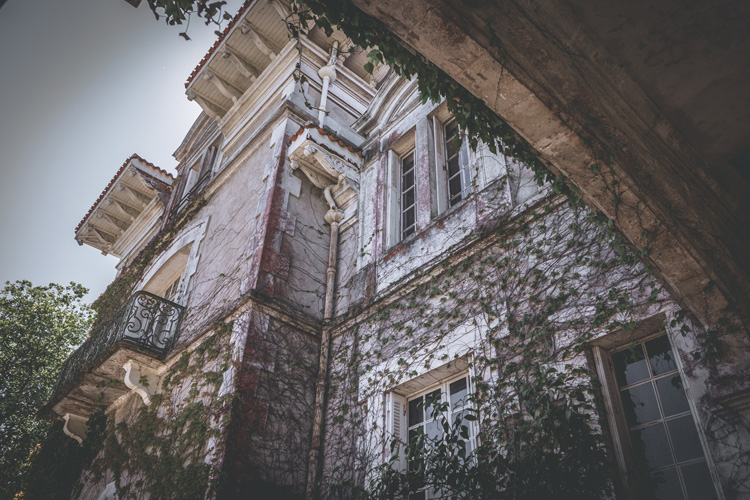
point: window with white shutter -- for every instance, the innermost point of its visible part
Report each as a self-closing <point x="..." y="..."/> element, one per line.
<point x="418" y="420"/>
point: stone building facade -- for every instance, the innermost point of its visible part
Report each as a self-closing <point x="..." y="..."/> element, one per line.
<point x="330" y="253"/>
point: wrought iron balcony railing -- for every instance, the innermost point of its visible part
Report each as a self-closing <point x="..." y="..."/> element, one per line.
<point x="147" y="323"/>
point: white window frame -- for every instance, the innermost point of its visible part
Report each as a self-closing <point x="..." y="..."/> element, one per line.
<point x="191" y="237"/>
<point x="615" y="415"/>
<point x="172" y="291"/>
<point x="397" y="413"/>
<point x="463" y="175"/>
<point x="401" y="149"/>
<point x="440" y="120"/>
<point x="407" y="230"/>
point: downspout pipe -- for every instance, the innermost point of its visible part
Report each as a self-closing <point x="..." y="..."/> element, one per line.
<point x="333" y="217"/>
<point x="328" y="74"/>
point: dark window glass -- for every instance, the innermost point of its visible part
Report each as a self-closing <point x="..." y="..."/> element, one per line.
<point x="660" y="355"/>
<point x="458" y="392"/>
<point x="432" y="403"/>
<point x="630" y="366"/>
<point x="415" y="411"/>
<point x="698" y="481"/>
<point x="684" y="436"/>
<point x="673" y="439"/>
<point x="408" y="199"/>
<point x="651" y="446"/>
<point x="640" y="405"/>
<point x="666" y="485"/>
<point x="672" y="395"/>
<point x="457" y="165"/>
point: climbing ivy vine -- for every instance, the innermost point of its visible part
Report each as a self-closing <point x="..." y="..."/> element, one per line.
<point x="162" y="451"/>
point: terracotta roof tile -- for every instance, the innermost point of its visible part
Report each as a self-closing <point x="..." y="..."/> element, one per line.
<point x="112" y="182"/>
<point x="218" y="41"/>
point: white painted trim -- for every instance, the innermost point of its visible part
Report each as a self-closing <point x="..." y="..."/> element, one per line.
<point x="192" y="235"/>
<point x="134" y="374"/>
<point x="66" y="427"/>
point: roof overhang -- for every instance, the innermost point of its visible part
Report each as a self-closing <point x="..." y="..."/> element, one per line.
<point x="139" y="190"/>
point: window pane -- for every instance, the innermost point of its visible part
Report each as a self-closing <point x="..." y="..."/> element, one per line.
<point x="630" y="366"/>
<point x="459" y="422"/>
<point x="660" y="355"/>
<point x="408" y="199"/>
<point x="650" y="444"/>
<point x="672" y="395"/>
<point x="408" y="221"/>
<point x="687" y="446"/>
<point x="455" y="189"/>
<point x="432" y="403"/>
<point x="434" y="431"/>
<point x="640" y="406"/>
<point x="408" y="179"/>
<point x="666" y="485"/>
<point x="407" y="162"/>
<point x="698" y="482"/>
<point x="453" y="167"/>
<point x="415" y="411"/>
<point x="458" y="393"/>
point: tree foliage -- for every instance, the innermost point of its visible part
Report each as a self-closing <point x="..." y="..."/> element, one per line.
<point x="39" y="326"/>
<point x="179" y="12"/>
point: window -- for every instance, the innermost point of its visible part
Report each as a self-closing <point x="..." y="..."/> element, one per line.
<point x="171" y="292"/>
<point x="456" y="165"/>
<point x="401" y="190"/>
<point x="166" y="280"/>
<point x="663" y="444"/>
<point x="419" y="419"/>
<point x="408" y="198"/>
<point x="197" y="177"/>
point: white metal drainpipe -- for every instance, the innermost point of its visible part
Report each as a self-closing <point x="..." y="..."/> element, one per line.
<point x="328" y="74"/>
<point x="334" y="216"/>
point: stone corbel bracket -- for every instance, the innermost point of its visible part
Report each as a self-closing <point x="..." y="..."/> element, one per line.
<point x="142" y="380"/>
<point x="324" y="166"/>
<point x="327" y="169"/>
<point x="75" y="427"/>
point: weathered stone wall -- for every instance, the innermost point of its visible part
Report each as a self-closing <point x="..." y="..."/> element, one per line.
<point x="225" y="253"/>
<point x="546" y="277"/>
<point x="269" y="436"/>
<point x="175" y="441"/>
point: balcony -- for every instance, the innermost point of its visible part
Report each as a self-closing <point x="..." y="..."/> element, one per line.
<point x="141" y="334"/>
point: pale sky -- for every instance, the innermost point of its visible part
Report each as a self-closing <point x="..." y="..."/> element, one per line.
<point x="83" y="85"/>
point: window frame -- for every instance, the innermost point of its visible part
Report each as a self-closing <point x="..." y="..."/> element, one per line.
<point x="463" y="163"/>
<point x="630" y="466"/>
<point x="397" y="407"/>
<point x="405" y="146"/>
<point x="404" y="230"/>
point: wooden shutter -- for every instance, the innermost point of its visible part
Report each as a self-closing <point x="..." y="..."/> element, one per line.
<point x="615" y="416"/>
<point x="441" y="174"/>
<point x="397" y="425"/>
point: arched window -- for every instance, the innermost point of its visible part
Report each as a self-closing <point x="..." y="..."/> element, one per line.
<point x="167" y="280"/>
<point x="170" y="274"/>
